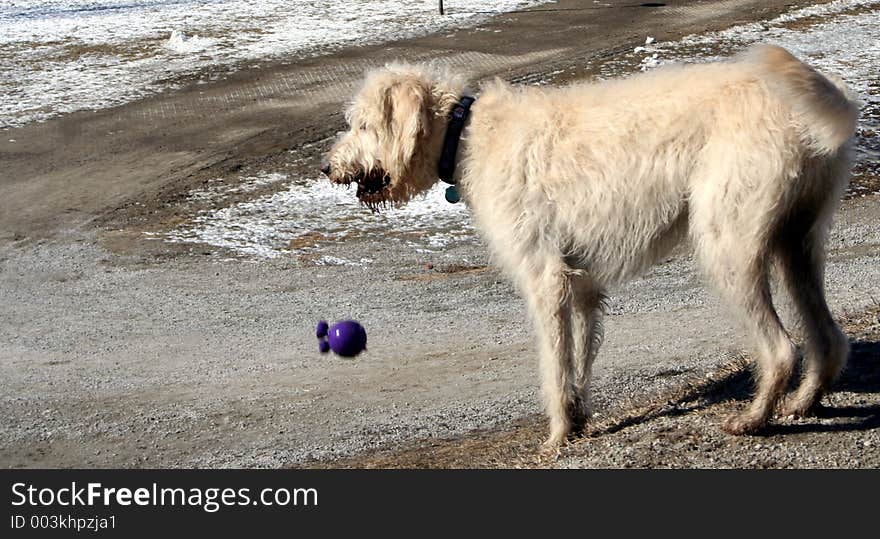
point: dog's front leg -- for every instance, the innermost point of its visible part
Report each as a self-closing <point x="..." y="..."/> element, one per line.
<point x="586" y="320"/>
<point x="549" y="295"/>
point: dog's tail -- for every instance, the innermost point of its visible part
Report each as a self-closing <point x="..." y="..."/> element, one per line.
<point x="824" y="108"/>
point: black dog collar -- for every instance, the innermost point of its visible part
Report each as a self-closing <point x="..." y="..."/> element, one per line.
<point x="457" y="118"/>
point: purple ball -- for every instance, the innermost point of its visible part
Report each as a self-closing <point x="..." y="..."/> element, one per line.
<point x="347" y="338"/>
<point x="323" y="346"/>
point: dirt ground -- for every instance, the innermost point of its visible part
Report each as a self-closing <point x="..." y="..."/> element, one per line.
<point x="677" y="427"/>
<point x="119" y="350"/>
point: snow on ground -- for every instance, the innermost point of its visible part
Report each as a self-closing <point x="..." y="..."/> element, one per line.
<point x="841" y="37"/>
<point x="312" y="213"/>
<point x="59" y="56"/>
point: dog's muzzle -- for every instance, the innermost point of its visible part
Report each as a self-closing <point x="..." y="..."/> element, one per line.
<point x="372" y="184"/>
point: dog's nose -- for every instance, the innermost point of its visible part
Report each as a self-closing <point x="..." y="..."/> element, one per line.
<point x="325" y="168"/>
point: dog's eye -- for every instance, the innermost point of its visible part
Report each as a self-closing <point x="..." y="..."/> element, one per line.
<point x="363" y="127"/>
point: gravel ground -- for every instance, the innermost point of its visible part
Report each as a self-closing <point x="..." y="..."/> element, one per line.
<point x="203" y="362"/>
<point x="675" y="425"/>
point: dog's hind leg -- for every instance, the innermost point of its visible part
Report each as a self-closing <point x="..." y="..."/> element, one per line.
<point x="738" y="267"/>
<point x="586" y="324"/>
<point x="548" y="291"/>
<point x="801" y="259"/>
<point x="746" y="287"/>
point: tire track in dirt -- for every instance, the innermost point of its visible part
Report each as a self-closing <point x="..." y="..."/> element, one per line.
<point x="315" y="86"/>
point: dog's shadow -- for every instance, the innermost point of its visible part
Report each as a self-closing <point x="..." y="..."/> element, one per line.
<point x="735" y="383"/>
<point x="861" y="376"/>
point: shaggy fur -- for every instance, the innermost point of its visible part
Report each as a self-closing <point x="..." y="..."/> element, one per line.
<point x="578" y="189"/>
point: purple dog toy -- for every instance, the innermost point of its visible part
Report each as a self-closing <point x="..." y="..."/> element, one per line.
<point x="347" y="338"/>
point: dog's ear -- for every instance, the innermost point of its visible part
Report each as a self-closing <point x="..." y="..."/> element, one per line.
<point x="407" y="120"/>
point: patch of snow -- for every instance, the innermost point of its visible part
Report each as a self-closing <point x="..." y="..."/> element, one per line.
<point x="313" y="213"/>
<point x="59" y="56"/>
<point x="183" y="44"/>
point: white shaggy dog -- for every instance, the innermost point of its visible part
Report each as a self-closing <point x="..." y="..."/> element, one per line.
<point x="580" y="188"/>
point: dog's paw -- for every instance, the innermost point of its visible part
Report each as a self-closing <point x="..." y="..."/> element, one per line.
<point x="555" y="441"/>
<point x="744" y="423"/>
<point x="799" y="409"/>
<point x="549" y="451"/>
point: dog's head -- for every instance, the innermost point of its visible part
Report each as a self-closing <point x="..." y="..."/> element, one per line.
<point x="396" y="126"/>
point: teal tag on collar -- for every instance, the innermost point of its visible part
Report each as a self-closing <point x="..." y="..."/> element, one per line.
<point x="452" y="195"/>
